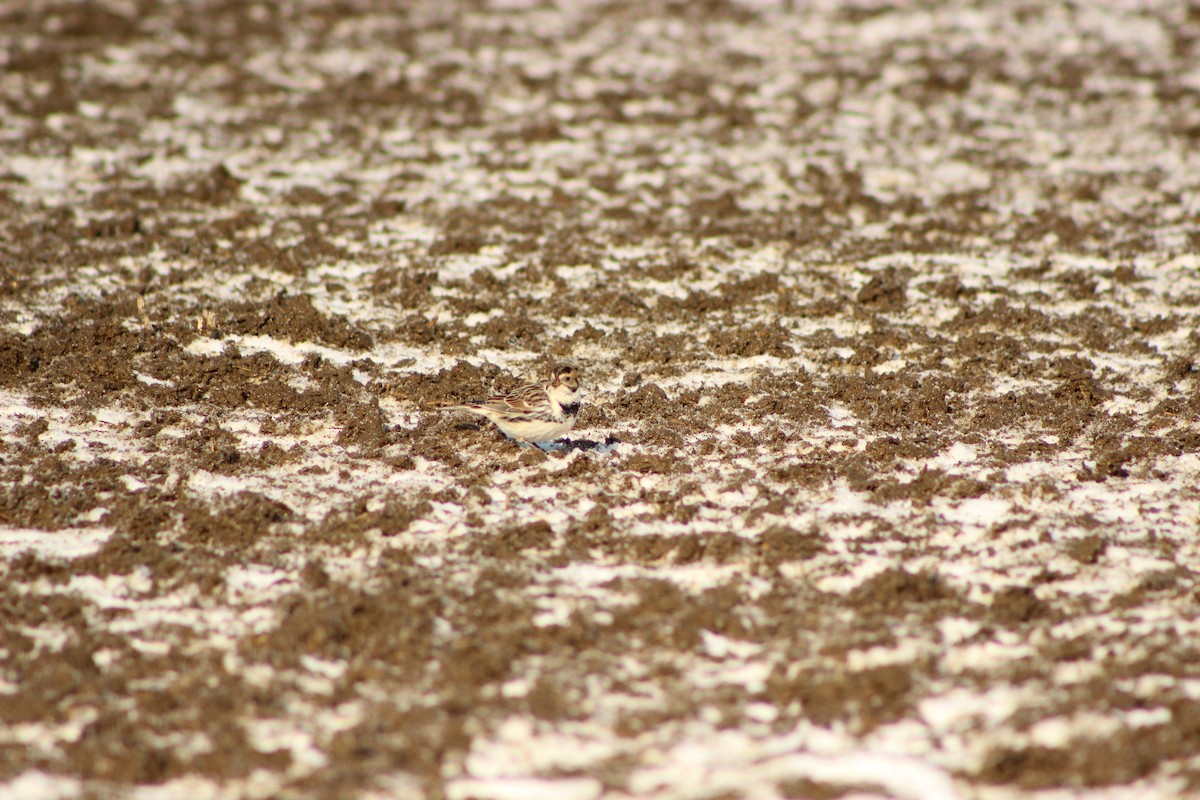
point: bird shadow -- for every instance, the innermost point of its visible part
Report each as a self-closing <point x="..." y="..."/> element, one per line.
<point x="561" y="446"/>
<point x="587" y="445"/>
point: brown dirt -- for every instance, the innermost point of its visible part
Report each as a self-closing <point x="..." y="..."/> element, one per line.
<point x="863" y="420"/>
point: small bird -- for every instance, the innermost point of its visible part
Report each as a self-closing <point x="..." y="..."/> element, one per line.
<point x="539" y="412"/>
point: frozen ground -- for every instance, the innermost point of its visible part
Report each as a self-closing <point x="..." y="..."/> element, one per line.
<point x="887" y="483"/>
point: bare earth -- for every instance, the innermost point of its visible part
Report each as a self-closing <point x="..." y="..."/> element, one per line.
<point x="886" y="484"/>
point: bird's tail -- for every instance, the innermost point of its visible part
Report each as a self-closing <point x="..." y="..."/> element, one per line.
<point x="441" y="405"/>
<point x="474" y="408"/>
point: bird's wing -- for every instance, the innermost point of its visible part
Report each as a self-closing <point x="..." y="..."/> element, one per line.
<point x="527" y="398"/>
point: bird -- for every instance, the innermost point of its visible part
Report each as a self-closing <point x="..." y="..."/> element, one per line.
<point x="535" y="413"/>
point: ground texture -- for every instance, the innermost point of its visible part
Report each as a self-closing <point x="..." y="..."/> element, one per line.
<point x="887" y="481"/>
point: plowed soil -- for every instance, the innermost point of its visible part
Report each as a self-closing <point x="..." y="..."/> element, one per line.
<point x="885" y="484"/>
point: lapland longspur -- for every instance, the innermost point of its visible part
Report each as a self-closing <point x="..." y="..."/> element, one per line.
<point x="539" y="412"/>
